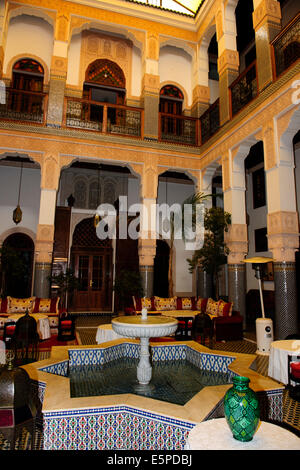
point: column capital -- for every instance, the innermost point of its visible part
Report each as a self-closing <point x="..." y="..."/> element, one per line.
<point x="150" y="84"/>
<point x="147" y="251"/>
<point x="59" y="67"/>
<point x="283" y="235"/>
<point x="228" y="61"/>
<point x="237" y="241"/>
<point x="268" y="11"/>
<point x="44" y="243"/>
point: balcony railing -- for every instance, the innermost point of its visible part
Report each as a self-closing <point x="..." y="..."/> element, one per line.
<point x="103" y="117"/>
<point x="210" y="121"/>
<point x="243" y="89"/>
<point x="178" y="129"/>
<point x="286" y="47"/>
<point x="24" y="106"/>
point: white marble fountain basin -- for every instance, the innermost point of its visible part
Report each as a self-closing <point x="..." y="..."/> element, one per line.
<point x="137" y="327"/>
<point x="144" y="327"/>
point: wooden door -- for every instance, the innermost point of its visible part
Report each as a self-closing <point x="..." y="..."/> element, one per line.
<point x="94" y="274"/>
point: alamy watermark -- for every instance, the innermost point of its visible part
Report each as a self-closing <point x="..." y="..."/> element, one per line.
<point x="178" y="222"/>
<point x="2" y="92"/>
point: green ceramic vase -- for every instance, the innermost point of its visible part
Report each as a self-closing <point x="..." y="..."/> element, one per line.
<point x="241" y="408"/>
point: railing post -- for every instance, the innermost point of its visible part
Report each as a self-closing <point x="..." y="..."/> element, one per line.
<point x="104" y="123"/>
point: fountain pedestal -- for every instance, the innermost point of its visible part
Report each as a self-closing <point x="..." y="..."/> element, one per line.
<point x="144" y="327"/>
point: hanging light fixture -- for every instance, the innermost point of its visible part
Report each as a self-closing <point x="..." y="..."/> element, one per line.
<point x="97" y="216"/>
<point x="17" y="213"/>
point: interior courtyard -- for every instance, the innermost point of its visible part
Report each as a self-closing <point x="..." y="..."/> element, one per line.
<point x="126" y="106"/>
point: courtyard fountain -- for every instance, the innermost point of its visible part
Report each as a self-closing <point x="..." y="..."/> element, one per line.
<point x="144" y="327"/>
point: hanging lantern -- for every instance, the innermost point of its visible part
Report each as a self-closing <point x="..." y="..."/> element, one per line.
<point x="17" y="213"/>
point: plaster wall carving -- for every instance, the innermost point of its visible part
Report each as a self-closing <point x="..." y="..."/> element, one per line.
<point x="267" y="11"/>
<point x="95" y="45"/>
<point x="44" y="243"/>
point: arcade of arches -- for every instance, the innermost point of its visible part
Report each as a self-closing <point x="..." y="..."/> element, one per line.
<point x="98" y="110"/>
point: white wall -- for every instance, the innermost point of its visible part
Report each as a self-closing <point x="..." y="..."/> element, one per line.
<point x="74" y="60"/>
<point x="175" y="65"/>
<point x="29" y="197"/>
<point x="257" y="219"/>
<point x="29" y="35"/>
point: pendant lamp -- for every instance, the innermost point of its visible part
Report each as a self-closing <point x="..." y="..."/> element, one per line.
<point x="17" y="213"/>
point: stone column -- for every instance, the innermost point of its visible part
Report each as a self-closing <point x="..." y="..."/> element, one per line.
<point x="45" y="228"/>
<point x="237" y="242"/>
<point x="228" y="60"/>
<point x="283" y="240"/>
<point x="147" y="238"/>
<point x="201" y="92"/>
<point x="58" y="73"/>
<point x="3" y="31"/>
<point x="267" y="24"/>
<point x="282" y="227"/>
<point x="237" y="237"/>
<point x="150" y="87"/>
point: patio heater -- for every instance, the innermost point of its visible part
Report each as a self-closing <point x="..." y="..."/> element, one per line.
<point x="264" y="326"/>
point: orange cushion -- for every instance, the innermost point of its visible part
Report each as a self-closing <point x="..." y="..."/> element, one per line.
<point x="20" y="305"/>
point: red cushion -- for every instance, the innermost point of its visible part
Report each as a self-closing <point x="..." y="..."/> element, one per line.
<point x="3" y="306"/>
<point x="204" y="304"/>
<point x="182" y="323"/>
<point x="295" y="369"/>
<point x="10" y="329"/>
<point x="66" y="323"/>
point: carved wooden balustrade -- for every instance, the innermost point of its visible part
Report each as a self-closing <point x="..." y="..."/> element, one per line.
<point x="178" y="129"/>
<point x="20" y="105"/>
<point x="103" y="117"/>
<point x="210" y="121"/>
<point x="243" y="89"/>
<point x="286" y="47"/>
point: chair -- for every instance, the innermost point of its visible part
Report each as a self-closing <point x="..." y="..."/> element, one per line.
<point x="66" y="327"/>
<point x="294" y="376"/>
<point x="8" y="332"/>
<point x="202" y="328"/>
<point x="185" y="325"/>
<point x="26" y="337"/>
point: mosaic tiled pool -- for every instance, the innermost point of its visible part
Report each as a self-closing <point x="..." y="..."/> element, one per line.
<point x="172" y="381"/>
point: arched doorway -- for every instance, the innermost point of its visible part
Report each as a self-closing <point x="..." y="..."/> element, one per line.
<point x="104" y="83"/>
<point x="170" y="105"/>
<point x="161" y="267"/>
<point x="92" y="264"/>
<point x="27" y="85"/>
<point x="17" y="265"/>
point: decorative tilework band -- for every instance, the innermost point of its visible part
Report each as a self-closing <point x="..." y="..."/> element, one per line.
<point x="237" y="288"/>
<point x="286" y="313"/>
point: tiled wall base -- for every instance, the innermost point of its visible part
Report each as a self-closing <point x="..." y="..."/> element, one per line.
<point x="125" y="427"/>
<point x="113" y="428"/>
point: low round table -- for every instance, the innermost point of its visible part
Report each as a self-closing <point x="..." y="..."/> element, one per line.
<point x="215" y="434"/>
<point x="278" y="360"/>
<point x="106" y="333"/>
<point x="43" y="326"/>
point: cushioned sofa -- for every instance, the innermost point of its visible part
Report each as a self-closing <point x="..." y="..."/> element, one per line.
<point x="49" y="307"/>
<point x="227" y="323"/>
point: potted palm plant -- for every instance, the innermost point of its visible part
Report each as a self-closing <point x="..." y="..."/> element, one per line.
<point x="214" y="251"/>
